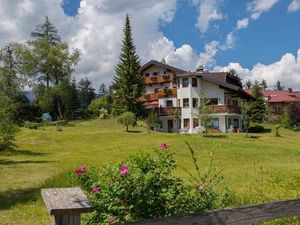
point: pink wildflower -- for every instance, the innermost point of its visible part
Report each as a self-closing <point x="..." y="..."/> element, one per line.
<point x="164" y="146"/>
<point x="111" y="219"/>
<point x="95" y="190"/>
<point x="80" y="170"/>
<point x="200" y="186"/>
<point x="124" y="170"/>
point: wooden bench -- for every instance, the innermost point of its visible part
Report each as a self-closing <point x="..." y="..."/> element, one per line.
<point x="66" y="204"/>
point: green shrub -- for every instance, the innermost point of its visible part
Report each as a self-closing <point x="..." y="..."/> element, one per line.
<point x="103" y="114"/>
<point x="31" y="125"/>
<point x="127" y="119"/>
<point x="144" y="187"/>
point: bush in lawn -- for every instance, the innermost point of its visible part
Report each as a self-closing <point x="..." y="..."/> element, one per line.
<point x="31" y="125"/>
<point x="152" y="120"/>
<point x="103" y="114"/>
<point x="127" y="119"/>
<point x="144" y="187"/>
<point x="294" y="113"/>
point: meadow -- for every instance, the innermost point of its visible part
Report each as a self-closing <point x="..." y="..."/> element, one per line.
<point x="257" y="169"/>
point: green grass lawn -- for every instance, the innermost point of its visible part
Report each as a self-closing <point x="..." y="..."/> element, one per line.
<point x="257" y="169"/>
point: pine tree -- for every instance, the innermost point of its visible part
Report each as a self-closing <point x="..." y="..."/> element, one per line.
<point x="47" y="30"/>
<point x="102" y="91"/>
<point x="86" y="92"/>
<point x="128" y="82"/>
<point x="73" y="101"/>
<point x="263" y="84"/>
<point x="258" y="105"/>
<point x="248" y="84"/>
<point x="278" y="86"/>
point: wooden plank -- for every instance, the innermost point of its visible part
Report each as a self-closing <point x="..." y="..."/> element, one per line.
<point x="237" y="216"/>
<point x="66" y="201"/>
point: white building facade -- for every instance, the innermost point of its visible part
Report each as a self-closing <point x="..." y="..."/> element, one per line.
<point x="177" y="96"/>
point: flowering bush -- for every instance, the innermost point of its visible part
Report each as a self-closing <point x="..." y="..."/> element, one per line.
<point x="144" y="187"/>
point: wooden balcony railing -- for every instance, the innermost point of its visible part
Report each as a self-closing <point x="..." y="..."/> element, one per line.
<point x="149" y="97"/>
<point x="167" y="92"/>
<point x="225" y="109"/>
<point x="159" y="79"/>
<point x="168" y="111"/>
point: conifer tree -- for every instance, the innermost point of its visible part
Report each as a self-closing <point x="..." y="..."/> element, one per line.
<point x="258" y="104"/>
<point x="73" y="103"/>
<point x="128" y="82"/>
<point x="278" y="86"/>
<point x="263" y="84"/>
<point x="248" y="84"/>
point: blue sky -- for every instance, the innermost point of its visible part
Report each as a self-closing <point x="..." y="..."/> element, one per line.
<point x="265" y="40"/>
<point x="257" y="38"/>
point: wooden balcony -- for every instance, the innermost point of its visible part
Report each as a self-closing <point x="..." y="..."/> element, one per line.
<point x="225" y="109"/>
<point x="167" y="92"/>
<point x="149" y="97"/>
<point x="168" y="111"/>
<point x="159" y="79"/>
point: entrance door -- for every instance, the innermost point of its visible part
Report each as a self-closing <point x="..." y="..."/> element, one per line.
<point x="236" y="123"/>
<point x="170" y="126"/>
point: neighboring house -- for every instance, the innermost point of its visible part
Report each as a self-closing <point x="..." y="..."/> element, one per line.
<point x="177" y="94"/>
<point x="278" y="100"/>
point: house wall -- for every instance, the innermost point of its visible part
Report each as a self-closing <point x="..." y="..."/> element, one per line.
<point x="210" y="90"/>
<point x="164" y="124"/>
<point x="151" y="89"/>
<point x="283" y="105"/>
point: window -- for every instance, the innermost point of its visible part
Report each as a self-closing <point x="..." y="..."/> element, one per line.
<point x="236" y="123"/>
<point x="195" y="123"/>
<point x="178" y="83"/>
<point x="186" y="103"/>
<point x="215" y="123"/>
<point x="147" y="74"/>
<point x="155" y="73"/>
<point x="195" y="103"/>
<point x="169" y="103"/>
<point x="194" y="82"/>
<point x="228" y="102"/>
<point x="278" y="109"/>
<point x="186" y="123"/>
<point x="211" y="101"/>
<point x="178" y="103"/>
<point x="160" y="124"/>
<point x="165" y="73"/>
<point x="185" y="82"/>
<point x="156" y="90"/>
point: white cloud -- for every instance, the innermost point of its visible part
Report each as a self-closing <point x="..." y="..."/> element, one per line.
<point x="287" y="70"/>
<point x="294" y="6"/>
<point x="96" y="31"/>
<point x="257" y="7"/>
<point x="208" y="10"/>
<point x="241" y="24"/>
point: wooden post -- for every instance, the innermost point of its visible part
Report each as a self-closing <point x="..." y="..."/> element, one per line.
<point x="66" y="204"/>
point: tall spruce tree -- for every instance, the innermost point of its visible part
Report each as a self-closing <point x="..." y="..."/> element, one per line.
<point x="278" y="86"/>
<point x="264" y="84"/>
<point x="258" y="105"/>
<point x="86" y="92"/>
<point x="128" y="82"/>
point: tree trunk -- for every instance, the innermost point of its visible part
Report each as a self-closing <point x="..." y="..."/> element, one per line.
<point x="59" y="109"/>
<point x="126" y="128"/>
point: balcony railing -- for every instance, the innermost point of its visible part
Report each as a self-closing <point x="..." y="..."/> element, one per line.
<point x="158" y="79"/>
<point x="167" y="92"/>
<point x="168" y="111"/>
<point x="225" y="109"/>
<point x="149" y="97"/>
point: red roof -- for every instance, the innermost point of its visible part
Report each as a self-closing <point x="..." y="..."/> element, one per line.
<point x="279" y="96"/>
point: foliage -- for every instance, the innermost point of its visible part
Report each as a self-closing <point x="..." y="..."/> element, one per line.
<point x="86" y="92"/>
<point x="144" y="187"/>
<point x="7" y="126"/>
<point x="152" y="120"/>
<point x="71" y="100"/>
<point x="276" y="130"/>
<point x="128" y="82"/>
<point x="103" y="114"/>
<point x="264" y="84"/>
<point x="205" y="117"/>
<point x="31" y="125"/>
<point x="294" y="113"/>
<point x="258" y="104"/>
<point x="100" y="103"/>
<point x="248" y="84"/>
<point x="102" y="91"/>
<point x="127" y="119"/>
<point x="278" y="86"/>
<point x="246" y="115"/>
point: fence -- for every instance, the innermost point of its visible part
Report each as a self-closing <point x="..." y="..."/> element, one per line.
<point x="66" y="205"/>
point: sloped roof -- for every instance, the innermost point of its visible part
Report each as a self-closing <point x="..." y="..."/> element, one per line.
<point x="219" y="79"/>
<point x="154" y="62"/>
<point x="279" y="95"/>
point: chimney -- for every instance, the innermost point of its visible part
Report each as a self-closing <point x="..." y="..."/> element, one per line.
<point x="200" y="69"/>
<point x="290" y="90"/>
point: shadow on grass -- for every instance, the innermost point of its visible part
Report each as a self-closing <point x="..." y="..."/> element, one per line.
<point x="253" y="137"/>
<point x="13" y="151"/>
<point x="11" y="198"/>
<point x="215" y="136"/>
<point x="12" y="162"/>
<point x="134" y="131"/>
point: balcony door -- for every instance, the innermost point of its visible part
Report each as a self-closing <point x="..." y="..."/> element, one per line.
<point x="170" y="126"/>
